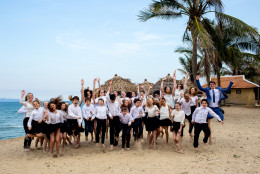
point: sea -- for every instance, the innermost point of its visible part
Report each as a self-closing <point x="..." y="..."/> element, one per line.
<point x="11" y="123"/>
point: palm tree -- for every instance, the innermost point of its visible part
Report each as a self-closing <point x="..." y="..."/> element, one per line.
<point x="195" y="10"/>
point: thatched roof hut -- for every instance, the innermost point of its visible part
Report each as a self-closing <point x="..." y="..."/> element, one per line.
<point x="168" y="82"/>
<point x="146" y="85"/>
<point x="120" y="84"/>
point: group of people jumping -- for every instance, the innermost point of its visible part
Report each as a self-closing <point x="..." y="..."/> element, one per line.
<point x="57" y="122"/>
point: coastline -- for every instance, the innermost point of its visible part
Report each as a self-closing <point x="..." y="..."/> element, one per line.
<point x="235" y="149"/>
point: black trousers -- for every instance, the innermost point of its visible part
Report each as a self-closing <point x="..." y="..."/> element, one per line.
<point x="198" y="129"/>
<point x="27" y="142"/>
<point x="101" y="124"/>
<point x="138" y="128"/>
<point x="115" y="128"/>
<point x="89" y="126"/>
<point x="189" y="118"/>
<point x="126" y="135"/>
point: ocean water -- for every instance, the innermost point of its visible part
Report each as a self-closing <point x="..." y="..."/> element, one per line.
<point x="11" y="123"/>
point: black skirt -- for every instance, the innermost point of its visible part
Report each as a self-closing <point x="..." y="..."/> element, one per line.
<point x="176" y="127"/>
<point x="64" y="127"/>
<point x="54" y="127"/>
<point x="152" y="123"/>
<point x="165" y="122"/>
<point x="36" y="127"/>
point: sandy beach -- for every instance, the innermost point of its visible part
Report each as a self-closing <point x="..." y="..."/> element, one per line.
<point x="235" y="149"/>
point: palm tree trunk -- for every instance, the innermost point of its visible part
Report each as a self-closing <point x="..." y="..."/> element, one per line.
<point x="218" y="78"/>
<point x="194" y="58"/>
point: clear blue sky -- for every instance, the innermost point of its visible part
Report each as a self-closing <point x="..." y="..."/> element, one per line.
<point x="47" y="46"/>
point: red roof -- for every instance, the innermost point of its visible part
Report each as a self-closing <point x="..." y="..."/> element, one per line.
<point x="239" y="82"/>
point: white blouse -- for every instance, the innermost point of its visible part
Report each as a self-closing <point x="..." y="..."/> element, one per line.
<point x="179" y="116"/>
<point x="164" y="112"/>
<point x="55" y="118"/>
<point x="169" y="99"/>
<point x="152" y="111"/>
<point x="179" y="92"/>
<point x="29" y="108"/>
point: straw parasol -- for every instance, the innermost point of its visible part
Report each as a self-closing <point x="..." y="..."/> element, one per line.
<point x="120" y="84"/>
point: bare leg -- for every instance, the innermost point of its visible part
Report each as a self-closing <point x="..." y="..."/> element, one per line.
<point x="52" y="140"/>
<point x="175" y="140"/>
<point x="161" y="132"/>
<point x="154" y="139"/>
<point x="210" y="139"/>
<point x="167" y="135"/>
<point x="57" y="139"/>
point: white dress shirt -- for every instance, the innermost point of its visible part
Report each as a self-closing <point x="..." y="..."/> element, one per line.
<point x="135" y="112"/>
<point x="125" y="119"/>
<point x="36" y="115"/>
<point x="178" y="116"/>
<point x="200" y="115"/>
<point x="86" y="110"/>
<point x="152" y="112"/>
<point x="101" y="112"/>
<point x="74" y="113"/>
<point x="55" y="118"/>
<point x="217" y="96"/>
<point x="113" y="108"/>
<point x="185" y="106"/>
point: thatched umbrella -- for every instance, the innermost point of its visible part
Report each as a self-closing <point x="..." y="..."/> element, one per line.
<point x="146" y="85"/>
<point x="168" y="82"/>
<point x="120" y="84"/>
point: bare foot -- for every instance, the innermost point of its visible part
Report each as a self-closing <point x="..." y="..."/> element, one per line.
<point x="76" y="146"/>
<point x="161" y="136"/>
<point x="181" y="151"/>
<point x="206" y="144"/>
<point x="103" y="145"/>
<point x="97" y="144"/>
<point x="123" y="149"/>
<point x="111" y="147"/>
<point x="210" y="141"/>
<point x="44" y="151"/>
<point x="86" y="138"/>
<point x="127" y="148"/>
<point x="196" y="149"/>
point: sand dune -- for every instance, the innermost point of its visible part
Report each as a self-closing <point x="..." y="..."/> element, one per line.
<point x="235" y="149"/>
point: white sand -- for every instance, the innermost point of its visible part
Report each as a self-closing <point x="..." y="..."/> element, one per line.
<point x="235" y="149"/>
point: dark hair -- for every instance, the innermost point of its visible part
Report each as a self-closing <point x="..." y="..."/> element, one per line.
<point x="166" y="88"/>
<point x="60" y="104"/>
<point x="181" y="85"/>
<point x="25" y="98"/>
<point x="49" y="106"/>
<point x="37" y="101"/>
<point x="136" y="100"/>
<point x="87" y="99"/>
<point x="196" y="90"/>
<point x="135" y="94"/>
<point x="129" y="94"/>
<point x="86" y="93"/>
<point x="112" y="97"/>
<point x="204" y="100"/>
<point x="128" y="106"/>
<point x="178" y="103"/>
<point x="212" y="82"/>
<point x="73" y="98"/>
<point x="124" y="109"/>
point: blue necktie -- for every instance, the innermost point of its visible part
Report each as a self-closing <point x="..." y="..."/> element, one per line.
<point x="213" y="96"/>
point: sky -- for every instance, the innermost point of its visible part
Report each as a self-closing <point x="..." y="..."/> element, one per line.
<point x="48" y="46"/>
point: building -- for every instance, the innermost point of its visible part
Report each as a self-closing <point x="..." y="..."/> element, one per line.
<point x="243" y="92"/>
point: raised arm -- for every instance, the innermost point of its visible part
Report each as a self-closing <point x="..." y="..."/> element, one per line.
<point x="149" y="90"/>
<point x="198" y="84"/>
<point x="138" y="91"/>
<point x="229" y="86"/>
<point x="99" y="86"/>
<point x="22" y="95"/>
<point x="186" y="82"/>
<point x="94" y="89"/>
<point x="174" y="83"/>
<point x="162" y="84"/>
